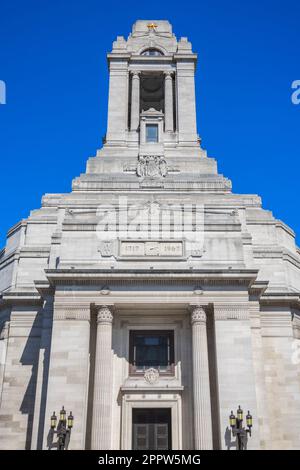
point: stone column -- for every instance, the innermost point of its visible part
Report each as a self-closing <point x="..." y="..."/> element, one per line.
<point x="169" y="119"/>
<point x="201" y="387"/>
<point x="135" y="101"/>
<point x="102" y="404"/>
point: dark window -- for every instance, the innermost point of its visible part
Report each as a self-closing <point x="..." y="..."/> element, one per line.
<point x="151" y="349"/>
<point x="152" y="52"/>
<point x="151" y="133"/>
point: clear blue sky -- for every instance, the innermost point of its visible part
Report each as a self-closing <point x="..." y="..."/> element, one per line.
<point x="52" y="58"/>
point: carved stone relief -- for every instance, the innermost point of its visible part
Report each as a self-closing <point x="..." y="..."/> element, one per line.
<point x="152" y="166"/>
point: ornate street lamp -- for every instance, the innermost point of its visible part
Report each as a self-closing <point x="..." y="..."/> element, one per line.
<point x="63" y="428"/>
<point x="238" y="431"/>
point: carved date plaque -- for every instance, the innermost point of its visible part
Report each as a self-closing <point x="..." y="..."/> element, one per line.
<point x="151" y="249"/>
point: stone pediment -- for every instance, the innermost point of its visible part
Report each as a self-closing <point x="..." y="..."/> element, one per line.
<point x="152" y="112"/>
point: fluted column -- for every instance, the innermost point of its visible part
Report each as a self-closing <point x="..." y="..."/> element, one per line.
<point x="135" y="101"/>
<point x="201" y="388"/>
<point x="102" y="404"/>
<point x="169" y="119"/>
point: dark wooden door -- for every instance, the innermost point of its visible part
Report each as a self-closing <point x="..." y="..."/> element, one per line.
<point x="151" y="429"/>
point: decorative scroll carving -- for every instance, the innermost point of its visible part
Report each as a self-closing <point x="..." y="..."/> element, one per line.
<point x="152" y="166"/>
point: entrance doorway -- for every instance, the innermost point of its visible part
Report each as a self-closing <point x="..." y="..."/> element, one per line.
<point x="151" y="429"/>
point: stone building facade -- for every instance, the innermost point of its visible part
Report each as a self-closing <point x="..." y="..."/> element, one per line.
<point x="150" y="300"/>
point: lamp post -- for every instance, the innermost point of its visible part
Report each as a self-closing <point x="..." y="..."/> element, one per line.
<point x="63" y="428"/>
<point x="238" y="431"/>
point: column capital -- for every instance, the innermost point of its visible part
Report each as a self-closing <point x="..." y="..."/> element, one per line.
<point x="168" y="74"/>
<point x="198" y="314"/>
<point x="135" y="73"/>
<point x="104" y="314"/>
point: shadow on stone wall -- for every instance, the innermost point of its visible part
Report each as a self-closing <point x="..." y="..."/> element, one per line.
<point x="227" y="438"/>
<point x="38" y="343"/>
<point x="213" y="379"/>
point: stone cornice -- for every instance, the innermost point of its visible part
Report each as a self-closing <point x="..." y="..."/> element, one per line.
<point x="50" y="220"/>
<point x="17" y="226"/>
<point x="258" y="288"/>
<point x="44" y="288"/>
<point x="280" y="299"/>
<point x="92" y="226"/>
<point x="271" y="221"/>
<point x="22" y="297"/>
<point x="288" y="256"/>
<point x="34" y="251"/>
<point x="185" y="57"/>
<point x="245" y="277"/>
<point x="9" y="258"/>
<point x="24" y="252"/>
<point x="276" y="252"/>
<point x="123" y="56"/>
<point x="170" y="184"/>
<point x="87" y="201"/>
<point x="161" y="60"/>
<point x="285" y="227"/>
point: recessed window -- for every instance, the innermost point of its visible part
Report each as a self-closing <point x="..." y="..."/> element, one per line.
<point x="152" y="133"/>
<point x="152" y="52"/>
<point x="151" y="349"/>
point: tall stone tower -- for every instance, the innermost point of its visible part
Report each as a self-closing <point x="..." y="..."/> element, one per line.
<point x="152" y="84"/>
<point x="150" y="300"/>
